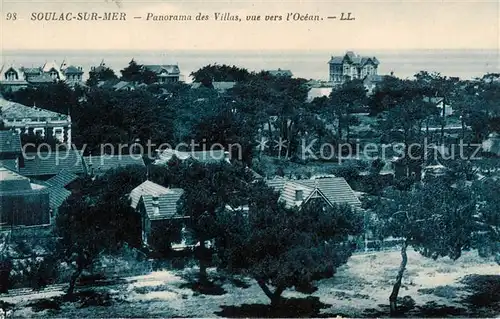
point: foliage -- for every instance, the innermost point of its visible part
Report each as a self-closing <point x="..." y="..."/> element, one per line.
<point x="103" y="74"/>
<point x="57" y="97"/>
<point x="219" y="73"/>
<point x="344" y="100"/>
<point x="121" y="118"/>
<point x="137" y="73"/>
<point x="99" y="219"/>
<point x="436" y="219"/>
<point x="284" y="247"/>
<point x="488" y="217"/>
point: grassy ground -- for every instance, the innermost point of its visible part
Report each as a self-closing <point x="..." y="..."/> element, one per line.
<point x="467" y="287"/>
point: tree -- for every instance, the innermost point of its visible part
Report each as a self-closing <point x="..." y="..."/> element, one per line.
<point x="434" y="84"/>
<point x="57" y="97"/>
<point x="344" y="100"/>
<point x="284" y="247"/>
<point x="138" y="73"/>
<point x="219" y="73"/>
<point x="208" y="189"/>
<point x="98" y="220"/>
<point x="436" y="219"/>
<point x="102" y="74"/>
<point x="226" y="126"/>
<point x="488" y="217"/>
<point x="121" y="118"/>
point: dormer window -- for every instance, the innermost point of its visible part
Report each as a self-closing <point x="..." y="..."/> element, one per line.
<point x="11" y="76"/>
<point x="299" y="195"/>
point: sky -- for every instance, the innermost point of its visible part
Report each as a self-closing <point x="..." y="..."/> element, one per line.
<point x="379" y="25"/>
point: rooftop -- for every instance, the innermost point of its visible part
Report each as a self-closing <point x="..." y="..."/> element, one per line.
<point x="147" y="188"/>
<point x="352" y="58"/>
<point x="164" y="206"/>
<point x="212" y="156"/>
<point x="10" y="142"/>
<point x="12" y="181"/>
<point x="62" y="179"/>
<point x="12" y="110"/>
<point x="51" y="163"/>
<point x="334" y="190"/>
<point x="103" y="163"/>
<point x="160" y="69"/>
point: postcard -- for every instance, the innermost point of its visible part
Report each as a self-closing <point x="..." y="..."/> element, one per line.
<point x="245" y="158"/>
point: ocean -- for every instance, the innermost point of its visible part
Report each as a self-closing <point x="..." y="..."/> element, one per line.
<point x="466" y="64"/>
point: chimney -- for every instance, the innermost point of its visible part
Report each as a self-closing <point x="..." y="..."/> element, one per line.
<point x="91" y="169"/>
<point x="156" y="202"/>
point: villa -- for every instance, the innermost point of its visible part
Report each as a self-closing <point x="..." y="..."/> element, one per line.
<point x="351" y="66"/>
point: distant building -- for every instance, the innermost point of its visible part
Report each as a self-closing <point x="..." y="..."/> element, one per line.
<point x="330" y="191"/>
<point x="221" y="87"/>
<point x="280" y="72"/>
<point x="157" y="206"/>
<point x="351" y="66"/>
<point x="12" y="77"/>
<point x="25" y="120"/>
<point x="318" y="92"/>
<point x="72" y="74"/>
<point x="124" y="86"/>
<point x="165" y="73"/>
<point x="101" y="67"/>
<point x="19" y="77"/>
<point x="98" y="165"/>
<point x="439" y="102"/>
<point x="371" y="81"/>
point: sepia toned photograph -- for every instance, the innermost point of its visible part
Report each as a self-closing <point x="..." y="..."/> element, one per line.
<point x="249" y="159"/>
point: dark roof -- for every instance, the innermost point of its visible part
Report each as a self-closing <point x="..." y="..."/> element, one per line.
<point x="10" y="142"/>
<point x="353" y="58"/>
<point x="41" y="78"/>
<point x="51" y="163"/>
<point x="166" y="204"/>
<point x="62" y="179"/>
<point x="159" y="69"/>
<point x="31" y="71"/>
<point x="101" y="164"/>
<point x="73" y="70"/>
<point x="57" y="196"/>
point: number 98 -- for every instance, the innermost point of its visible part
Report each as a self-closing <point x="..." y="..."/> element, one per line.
<point x="11" y="16"/>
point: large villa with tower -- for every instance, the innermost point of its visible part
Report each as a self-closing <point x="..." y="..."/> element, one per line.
<point x="351" y="66"/>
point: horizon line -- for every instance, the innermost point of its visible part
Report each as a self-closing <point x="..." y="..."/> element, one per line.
<point x="250" y="50"/>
